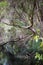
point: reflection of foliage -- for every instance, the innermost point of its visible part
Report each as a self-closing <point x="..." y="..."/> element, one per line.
<point x="22" y="40"/>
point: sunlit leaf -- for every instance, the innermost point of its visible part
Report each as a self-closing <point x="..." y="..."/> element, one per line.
<point x="41" y="45"/>
<point x="36" y="38"/>
<point x="38" y="56"/>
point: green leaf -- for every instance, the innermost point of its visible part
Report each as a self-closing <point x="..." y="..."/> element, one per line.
<point x="3" y="3"/>
<point x="36" y="44"/>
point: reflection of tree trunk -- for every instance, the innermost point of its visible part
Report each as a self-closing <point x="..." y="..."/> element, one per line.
<point x="40" y="7"/>
<point x="41" y="12"/>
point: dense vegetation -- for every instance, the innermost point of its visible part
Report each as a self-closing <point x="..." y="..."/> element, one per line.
<point x="21" y="32"/>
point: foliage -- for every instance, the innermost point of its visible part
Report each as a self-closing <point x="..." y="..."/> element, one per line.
<point x="21" y="41"/>
<point x="3" y="4"/>
<point x="39" y="56"/>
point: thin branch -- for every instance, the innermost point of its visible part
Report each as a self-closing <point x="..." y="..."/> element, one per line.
<point x="17" y="39"/>
<point x="24" y="27"/>
<point x="22" y="57"/>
